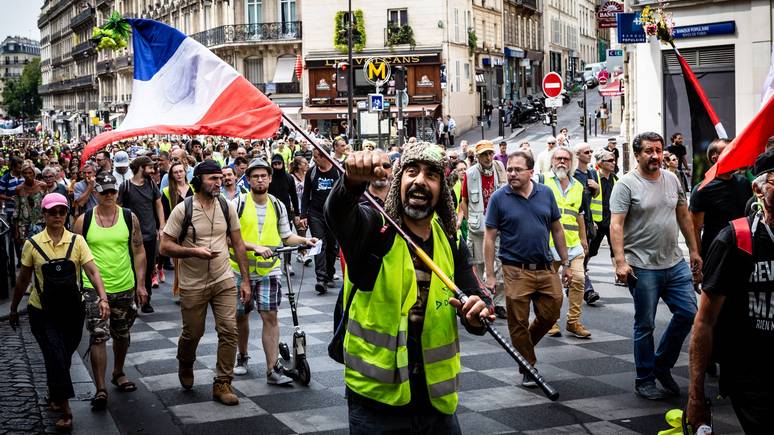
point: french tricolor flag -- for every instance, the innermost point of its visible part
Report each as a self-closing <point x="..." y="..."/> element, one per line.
<point x="181" y="87"/>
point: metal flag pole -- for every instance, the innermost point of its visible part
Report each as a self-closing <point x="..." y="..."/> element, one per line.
<point x="549" y="391"/>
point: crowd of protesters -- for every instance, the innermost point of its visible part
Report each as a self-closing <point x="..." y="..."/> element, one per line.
<point x="529" y="224"/>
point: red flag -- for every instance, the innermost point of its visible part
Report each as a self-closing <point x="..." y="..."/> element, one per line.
<point x="746" y="147"/>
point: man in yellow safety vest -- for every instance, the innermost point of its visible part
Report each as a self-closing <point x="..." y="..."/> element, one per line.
<point x="265" y="225"/>
<point x="401" y="348"/>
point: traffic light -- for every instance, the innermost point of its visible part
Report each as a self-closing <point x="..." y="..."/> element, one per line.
<point x="400" y="77"/>
<point x="582" y="121"/>
<point x="580" y="104"/>
<point x="342" y="77"/>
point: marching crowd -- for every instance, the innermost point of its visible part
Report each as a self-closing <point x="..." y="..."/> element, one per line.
<point x="515" y="231"/>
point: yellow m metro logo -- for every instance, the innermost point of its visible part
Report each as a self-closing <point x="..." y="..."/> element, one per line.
<point x="377" y="71"/>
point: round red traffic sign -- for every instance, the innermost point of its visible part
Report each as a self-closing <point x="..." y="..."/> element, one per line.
<point x="602" y="80"/>
<point x="552" y="85"/>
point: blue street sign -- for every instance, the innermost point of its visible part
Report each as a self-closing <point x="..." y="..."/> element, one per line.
<point x="375" y="102"/>
<point x="710" y="29"/>
<point x="630" y="29"/>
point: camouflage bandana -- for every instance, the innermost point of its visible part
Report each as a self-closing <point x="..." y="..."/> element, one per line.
<point x="432" y="155"/>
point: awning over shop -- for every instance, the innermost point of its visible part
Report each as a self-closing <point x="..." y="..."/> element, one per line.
<point x="284" y="71"/>
<point x="480" y="78"/>
<point x="410" y="111"/>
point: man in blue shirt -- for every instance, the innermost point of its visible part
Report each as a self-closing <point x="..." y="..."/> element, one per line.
<point x="8" y="183"/>
<point x="524" y="213"/>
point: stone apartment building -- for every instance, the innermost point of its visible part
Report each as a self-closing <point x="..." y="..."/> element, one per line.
<point x="16" y="52"/>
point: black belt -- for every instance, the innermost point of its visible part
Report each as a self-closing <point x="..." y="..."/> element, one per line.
<point x="530" y="266"/>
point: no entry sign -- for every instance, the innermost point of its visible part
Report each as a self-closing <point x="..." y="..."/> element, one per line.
<point x="552" y="85"/>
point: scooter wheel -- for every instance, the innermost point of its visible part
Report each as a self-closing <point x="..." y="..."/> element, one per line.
<point x="284" y="351"/>
<point x="304" y="374"/>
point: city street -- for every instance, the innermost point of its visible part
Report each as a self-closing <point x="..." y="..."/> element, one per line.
<point x="595" y="377"/>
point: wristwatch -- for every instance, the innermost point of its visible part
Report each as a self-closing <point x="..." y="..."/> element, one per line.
<point x="566" y="264"/>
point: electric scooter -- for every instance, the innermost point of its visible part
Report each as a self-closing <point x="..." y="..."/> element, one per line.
<point x="299" y="367"/>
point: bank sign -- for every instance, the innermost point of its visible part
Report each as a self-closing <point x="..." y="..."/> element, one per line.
<point x="630" y="30"/>
<point x="710" y="29"/>
<point x="606" y="16"/>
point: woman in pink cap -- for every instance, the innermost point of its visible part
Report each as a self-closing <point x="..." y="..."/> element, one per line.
<point x="55" y="309"/>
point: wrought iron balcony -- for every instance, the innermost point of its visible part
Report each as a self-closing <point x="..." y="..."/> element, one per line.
<point x="242" y="33"/>
<point x="44" y="40"/>
<point x="82" y="18"/>
<point x="531" y="4"/>
<point x="44" y="89"/>
<point x="83" y="81"/>
<point x="84" y="48"/>
<point x="123" y="61"/>
<point x="288" y="88"/>
<point x="104" y="66"/>
<point x="45" y="62"/>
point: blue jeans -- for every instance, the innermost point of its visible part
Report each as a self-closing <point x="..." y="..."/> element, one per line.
<point x="675" y="286"/>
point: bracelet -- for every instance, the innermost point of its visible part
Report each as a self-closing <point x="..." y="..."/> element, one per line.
<point x="567" y="264"/>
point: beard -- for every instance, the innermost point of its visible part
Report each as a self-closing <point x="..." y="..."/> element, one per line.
<point x="212" y="191"/>
<point x="421" y="211"/>
<point x="561" y="173"/>
<point x="259" y="190"/>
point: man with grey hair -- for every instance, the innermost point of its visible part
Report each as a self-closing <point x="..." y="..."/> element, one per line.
<point x="49" y="174"/>
<point x="83" y="192"/>
<point x="568" y="193"/>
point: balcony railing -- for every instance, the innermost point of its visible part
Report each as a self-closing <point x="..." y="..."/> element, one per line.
<point x="104" y="66"/>
<point x="45" y="62"/>
<point x="44" y="40"/>
<point x="261" y="87"/>
<point x="82" y="81"/>
<point x="82" y="18"/>
<point x="56" y="60"/>
<point x="84" y="48"/>
<point x="123" y="61"/>
<point x="532" y="4"/>
<point x="44" y="89"/>
<point x="240" y="33"/>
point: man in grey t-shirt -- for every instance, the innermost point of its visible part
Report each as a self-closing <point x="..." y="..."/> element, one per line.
<point x="648" y="208"/>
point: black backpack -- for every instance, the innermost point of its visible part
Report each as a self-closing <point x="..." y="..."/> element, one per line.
<point x="59" y="293"/>
<point x="188" y="215"/>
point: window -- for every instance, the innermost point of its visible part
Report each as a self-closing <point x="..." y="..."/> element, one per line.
<point x="287" y="11"/>
<point x="207" y="12"/>
<point x="467" y="70"/>
<point x="254" y="70"/>
<point x="456" y="25"/>
<point x="457" y="75"/>
<point x="253" y="11"/>
<point x="397" y="17"/>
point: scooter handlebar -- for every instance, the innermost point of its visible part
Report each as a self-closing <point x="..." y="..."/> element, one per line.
<point x="283" y="249"/>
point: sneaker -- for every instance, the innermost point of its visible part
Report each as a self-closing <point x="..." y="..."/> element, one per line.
<point x="320" y="287"/>
<point x="162" y="275"/>
<point x="336" y="277"/>
<point x="578" y="330"/>
<point x="241" y="365"/>
<point x="591" y="297"/>
<point x="223" y="393"/>
<point x="501" y="312"/>
<point x="650" y="391"/>
<point x="555" y="331"/>
<point x="147" y="308"/>
<point x="299" y="258"/>
<point x="155" y="281"/>
<point x="669" y="383"/>
<point x="185" y="375"/>
<point x="307" y="260"/>
<point x="528" y="382"/>
<point x="290" y="269"/>
<point x="276" y="377"/>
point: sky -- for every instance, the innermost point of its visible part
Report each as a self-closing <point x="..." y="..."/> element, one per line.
<point x="20" y="17"/>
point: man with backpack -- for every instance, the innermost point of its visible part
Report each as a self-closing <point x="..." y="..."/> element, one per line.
<point x="265" y="225"/>
<point x="733" y="322"/>
<point x="196" y="232"/>
<point x="141" y="195"/>
<point x="115" y="239"/>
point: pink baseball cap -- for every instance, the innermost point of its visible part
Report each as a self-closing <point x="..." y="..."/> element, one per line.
<point x="53" y="200"/>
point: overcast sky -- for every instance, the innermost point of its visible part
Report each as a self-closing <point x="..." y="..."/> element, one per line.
<point x="20" y="17"/>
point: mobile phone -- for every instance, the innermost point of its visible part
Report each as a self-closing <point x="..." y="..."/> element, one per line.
<point x="631" y="280"/>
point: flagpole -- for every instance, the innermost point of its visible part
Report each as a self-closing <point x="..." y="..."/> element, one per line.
<point x="549" y="391"/>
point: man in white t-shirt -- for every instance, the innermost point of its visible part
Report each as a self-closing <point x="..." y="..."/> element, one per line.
<point x="264" y="222"/>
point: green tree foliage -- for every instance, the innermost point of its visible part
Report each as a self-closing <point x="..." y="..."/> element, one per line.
<point x="20" y="95"/>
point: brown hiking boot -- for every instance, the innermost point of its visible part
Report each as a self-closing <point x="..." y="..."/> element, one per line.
<point x="222" y="392"/>
<point x="186" y="375"/>
<point x="578" y="330"/>
<point x="555" y="331"/>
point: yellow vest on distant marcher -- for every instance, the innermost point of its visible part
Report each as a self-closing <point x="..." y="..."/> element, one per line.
<point x="569" y="207"/>
<point x="269" y="236"/>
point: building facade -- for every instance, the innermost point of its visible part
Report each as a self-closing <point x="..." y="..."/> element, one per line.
<point x="68" y="66"/>
<point x="729" y="50"/>
<point x="588" y="52"/>
<point x="429" y="38"/>
<point x="523" y="35"/>
<point x="489" y="52"/>
<point x="15" y="53"/>
<point x="562" y="37"/>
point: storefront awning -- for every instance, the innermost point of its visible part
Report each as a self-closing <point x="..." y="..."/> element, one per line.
<point x="284" y="71"/>
<point x="410" y="111"/>
<point x="480" y="78"/>
<point x="514" y="52"/>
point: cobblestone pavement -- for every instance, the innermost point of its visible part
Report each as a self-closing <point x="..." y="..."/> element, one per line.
<point x="23" y="408"/>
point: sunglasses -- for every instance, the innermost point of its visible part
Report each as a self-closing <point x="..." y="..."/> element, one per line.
<point x="108" y="192"/>
<point x="608" y="161"/>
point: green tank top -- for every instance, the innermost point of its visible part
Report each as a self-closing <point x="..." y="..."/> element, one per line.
<point x="111" y="254"/>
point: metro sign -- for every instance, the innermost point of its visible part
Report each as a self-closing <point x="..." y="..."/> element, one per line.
<point x="376" y="71"/>
<point x="552" y="85"/>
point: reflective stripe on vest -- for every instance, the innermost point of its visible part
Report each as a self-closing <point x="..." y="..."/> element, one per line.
<point x="375" y="350"/>
<point x="269" y="237"/>
<point x="597" y="206"/>
<point x="569" y="206"/>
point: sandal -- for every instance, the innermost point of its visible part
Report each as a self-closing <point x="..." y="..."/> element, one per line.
<point x="65" y="424"/>
<point x="99" y="402"/>
<point x="124" y="387"/>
